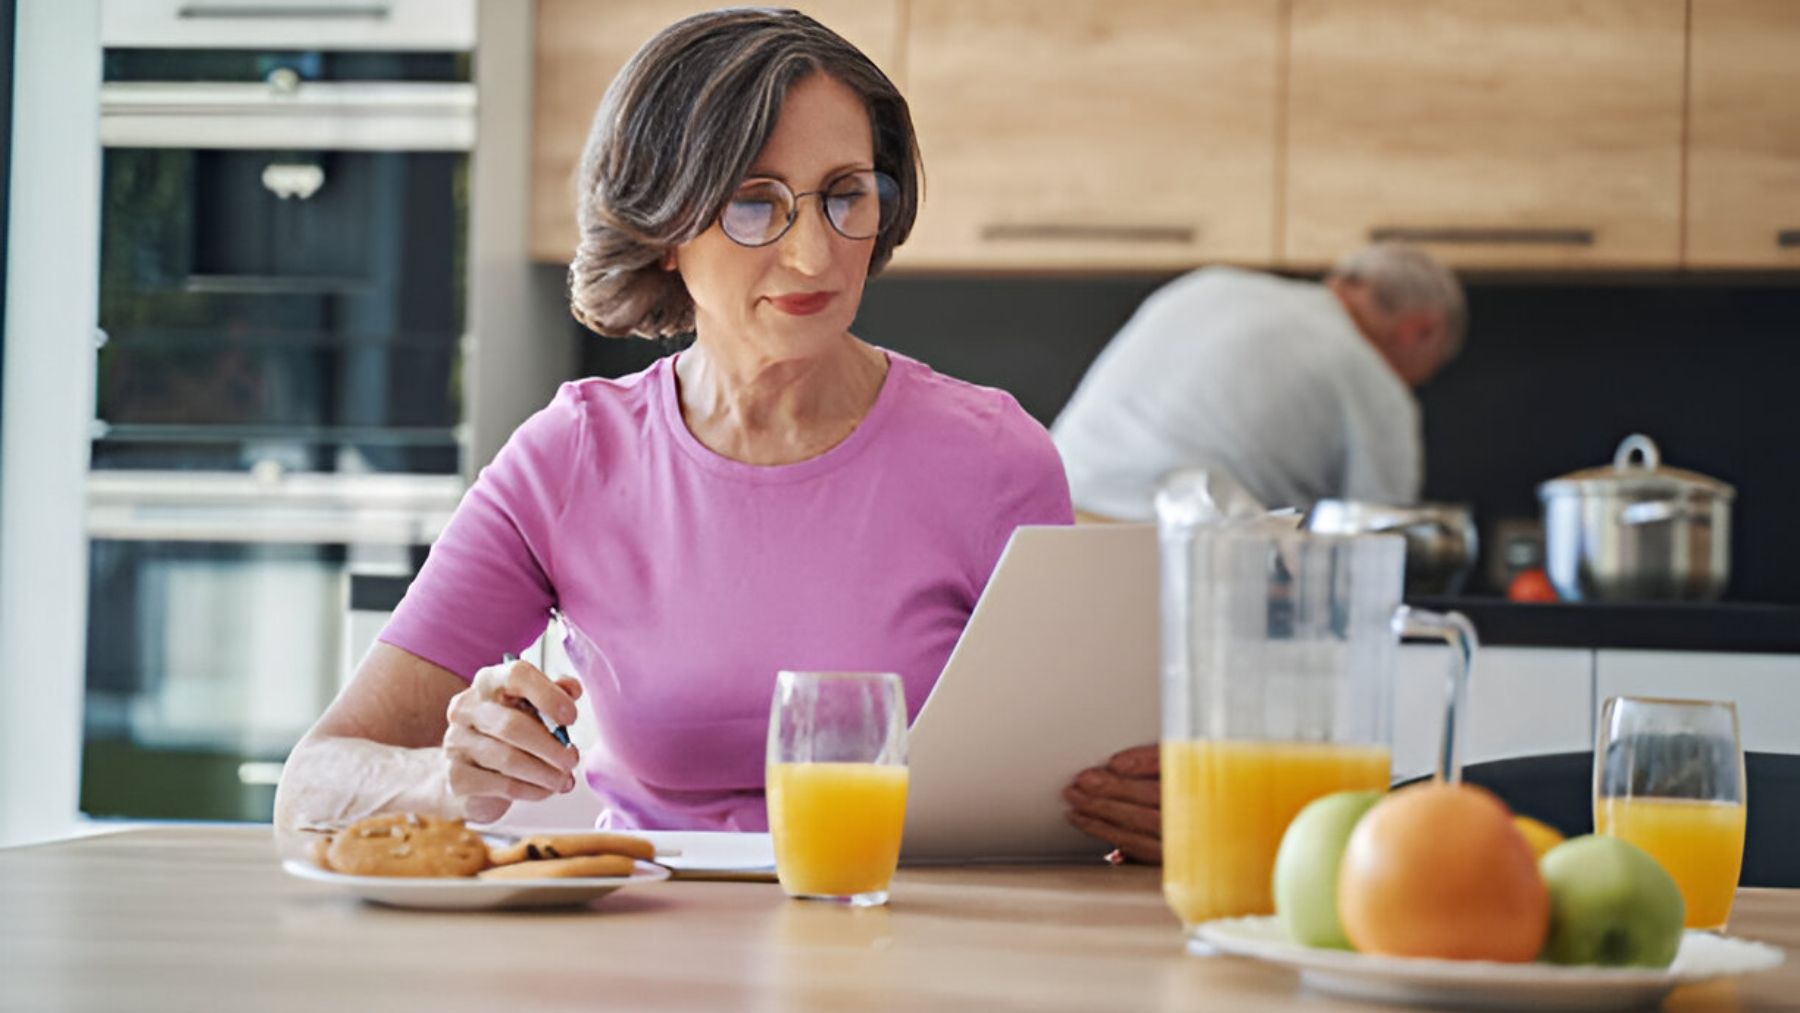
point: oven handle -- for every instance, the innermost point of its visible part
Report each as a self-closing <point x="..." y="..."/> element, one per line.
<point x="314" y="116"/>
<point x="220" y="507"/>
<point x="374" y="11"/>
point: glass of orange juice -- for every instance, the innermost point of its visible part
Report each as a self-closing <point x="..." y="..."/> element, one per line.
<point x="1279" y="647"/>
<point x="1669" y="778"/>
<point x="836" y="783"/>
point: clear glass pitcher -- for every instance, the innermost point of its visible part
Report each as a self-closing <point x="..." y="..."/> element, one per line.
<point x="1279" y="648"/>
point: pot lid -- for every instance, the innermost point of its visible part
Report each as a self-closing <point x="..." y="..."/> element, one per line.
<point x="1637" y="469"/>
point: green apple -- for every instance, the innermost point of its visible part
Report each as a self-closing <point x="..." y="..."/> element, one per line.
<point x="1306" y="867"/>
<point x="1611" y="904"/>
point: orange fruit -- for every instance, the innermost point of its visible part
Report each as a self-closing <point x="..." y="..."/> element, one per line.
<point x="1541" y="836"/>
<point x="1531" y="585"/>
<point x="1440" y="870"/>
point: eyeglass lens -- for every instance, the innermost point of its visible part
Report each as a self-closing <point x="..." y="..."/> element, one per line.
<point x="857" y="205"/>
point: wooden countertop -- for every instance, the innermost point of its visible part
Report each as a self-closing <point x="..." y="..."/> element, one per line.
<point x="187" y="918"/>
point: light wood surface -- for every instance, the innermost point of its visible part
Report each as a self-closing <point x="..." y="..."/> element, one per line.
<point x="1091" y="134"/>
<point x="1744" y="134"/>
<point x="191" y="918"/>
<point x="582" y="44"/>
<point x="1529" y="122"/>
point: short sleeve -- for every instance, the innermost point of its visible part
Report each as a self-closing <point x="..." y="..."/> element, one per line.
<point x="488" y="583"/>
<point x="1030" y="485"/>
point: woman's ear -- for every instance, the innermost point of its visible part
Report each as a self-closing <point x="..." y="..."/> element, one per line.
<point x="668" y="259"/>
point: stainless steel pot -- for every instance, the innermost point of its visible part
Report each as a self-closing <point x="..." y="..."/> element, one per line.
<point x="1637" y="531"/>
<point x="1440" y="537"/>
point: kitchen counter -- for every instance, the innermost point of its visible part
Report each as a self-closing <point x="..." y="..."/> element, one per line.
<point x="183" y="918"/>
<point x="1663" y="626"/>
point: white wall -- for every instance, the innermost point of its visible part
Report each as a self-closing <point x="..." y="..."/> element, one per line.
<point x="519" y="347"/>
<point x="1765" y="688"/>
<point x="51" y="314"/>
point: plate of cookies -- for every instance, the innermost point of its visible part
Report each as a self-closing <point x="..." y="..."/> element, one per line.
<point x="414" y="861"/>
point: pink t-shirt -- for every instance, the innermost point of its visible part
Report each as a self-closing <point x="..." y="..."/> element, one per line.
<point x="697" y="577"/>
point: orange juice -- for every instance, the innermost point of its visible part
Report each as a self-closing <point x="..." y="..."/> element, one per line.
<point x="836" y="826"/>
<point x="1225" y="806"/>
<point x="1700" y="843"/>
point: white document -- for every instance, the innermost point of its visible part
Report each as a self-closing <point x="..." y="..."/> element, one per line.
<point x="1056" y="670"/>
<point x="707" y="854"/>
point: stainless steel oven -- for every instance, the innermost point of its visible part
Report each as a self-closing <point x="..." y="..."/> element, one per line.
<point x="279" y="371"/>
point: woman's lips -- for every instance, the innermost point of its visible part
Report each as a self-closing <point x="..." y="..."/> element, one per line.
<point x="802" y="304"/>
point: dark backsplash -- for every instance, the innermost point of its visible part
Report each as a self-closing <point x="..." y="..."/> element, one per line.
<point x="1554" y="374"/>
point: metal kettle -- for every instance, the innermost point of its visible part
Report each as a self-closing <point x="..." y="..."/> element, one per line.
<point x="1441" y="544"/>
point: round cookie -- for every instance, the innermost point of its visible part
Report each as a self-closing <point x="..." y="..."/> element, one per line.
<point x="541" y="846"/>
<point x="406" y="844"/>
<point x="582" y="866"/>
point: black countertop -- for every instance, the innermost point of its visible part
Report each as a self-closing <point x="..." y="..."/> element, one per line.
<point x="1661" y="626"/>
<point x="1658" y="626"/>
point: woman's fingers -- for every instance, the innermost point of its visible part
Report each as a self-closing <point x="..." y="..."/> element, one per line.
<point x="1145" y="791"/>
<point x="1141" y="847"/>
<point x="524" y="681"/>
<point x="1128" y="815"/>
<point x="467" y="779"/>
<point x="524" y="732"/>
<point x="483" y="749"/>
<point x="497" y="751"/>
<point x="1138" y="761"/>
<point x="521" y="680"/>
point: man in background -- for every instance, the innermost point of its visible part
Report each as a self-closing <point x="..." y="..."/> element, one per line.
<point x="1298" y="390"/>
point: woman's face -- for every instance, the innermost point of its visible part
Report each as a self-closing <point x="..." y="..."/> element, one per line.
<point x="796" y="296"/>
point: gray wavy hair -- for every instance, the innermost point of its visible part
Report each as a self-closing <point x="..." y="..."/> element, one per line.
<point x="675" y="135"/>
<point x="1403" y="278"/>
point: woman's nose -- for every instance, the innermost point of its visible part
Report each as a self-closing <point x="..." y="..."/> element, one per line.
<point x="807" y="247"/>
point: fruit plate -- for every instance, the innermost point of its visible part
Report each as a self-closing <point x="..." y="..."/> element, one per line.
<point x="458" y="893"/>
<point x="1480" y="984"/>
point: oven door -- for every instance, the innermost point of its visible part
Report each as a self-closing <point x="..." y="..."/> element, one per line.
<point x="219" y="629"/>
<point x="282" y="279"/>
<point x="278" y="405"/>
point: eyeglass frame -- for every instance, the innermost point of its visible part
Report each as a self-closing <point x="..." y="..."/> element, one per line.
<point x="793" y="215"/>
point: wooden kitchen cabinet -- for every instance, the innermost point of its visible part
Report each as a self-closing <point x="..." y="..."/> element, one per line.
<point x="1500" y="134"/>
<point x="1093" y="135"/>
<point x="580" y="47"/>
<point x="1743" y="184"/>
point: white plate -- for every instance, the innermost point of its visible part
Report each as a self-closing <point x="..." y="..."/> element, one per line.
<point x="1480" y="984"/>
<point x="458" y="893"/>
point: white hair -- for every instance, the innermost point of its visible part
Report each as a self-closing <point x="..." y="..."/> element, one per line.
<point x="1404" y="278"/>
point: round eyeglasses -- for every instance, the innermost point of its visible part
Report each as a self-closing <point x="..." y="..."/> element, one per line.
<point x="857" y="204"/>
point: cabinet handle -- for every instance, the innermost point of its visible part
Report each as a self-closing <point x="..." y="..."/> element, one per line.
<point x="1072" y="232"/>
<point x="375" y="11"/>
<point x="1788" y="239"/>
<point x="1455" y="234"/>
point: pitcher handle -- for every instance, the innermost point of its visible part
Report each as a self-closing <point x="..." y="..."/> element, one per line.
<point x="1454" y="629"/>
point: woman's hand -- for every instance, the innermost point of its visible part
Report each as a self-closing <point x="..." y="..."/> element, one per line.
<point x="498" y="752"/>
<point x="1121" y="802"/>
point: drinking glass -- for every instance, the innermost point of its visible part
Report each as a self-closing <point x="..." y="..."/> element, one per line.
<point x="1279" y="648"/>
<point x="836" y="783"/>
<point x="1669" y="778"/>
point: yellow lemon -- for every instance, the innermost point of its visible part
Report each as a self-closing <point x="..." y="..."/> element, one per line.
<point x="1542" y="837"/>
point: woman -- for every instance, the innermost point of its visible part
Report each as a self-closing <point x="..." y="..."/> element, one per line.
<point x="780" y="495"/>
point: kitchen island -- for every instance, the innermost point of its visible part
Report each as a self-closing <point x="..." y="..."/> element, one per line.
<point x="202" y="917"/>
